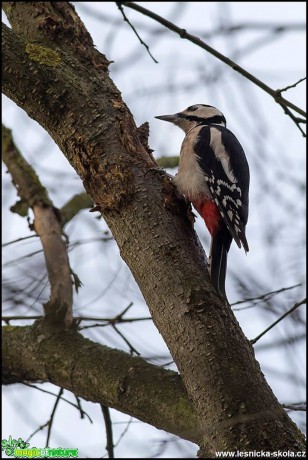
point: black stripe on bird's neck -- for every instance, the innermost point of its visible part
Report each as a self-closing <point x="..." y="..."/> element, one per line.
<point x="216" y="119"/>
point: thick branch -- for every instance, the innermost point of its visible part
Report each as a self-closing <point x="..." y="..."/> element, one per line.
<point x="47" y="226"/>
<point x="101" y="375"/>
<point x="27" y="183"/>
<point x="73" y="206"/>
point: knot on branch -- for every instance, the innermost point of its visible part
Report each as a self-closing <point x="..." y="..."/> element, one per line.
<point x="113" y="184"/>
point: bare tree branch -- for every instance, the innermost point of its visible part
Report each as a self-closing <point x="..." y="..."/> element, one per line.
<point x="109" y="433"/>
<point x="301" y="406"/>
<point x="73" y="206"/>
<point x="77" y="406"/>
<point x="18" y="240"/>
<point x="291" y="86"/>
<point x="112" y="377"/>
<point x="52" y="416"/>
<point x="284" y="103"/>
<point x="78" y="319"/>
<point x="135" y="31"/>
<point x="47" y="226"/>
<point x="281" y="343"/>
<point x="267" y="295"/>
<point x="291" y="310"/>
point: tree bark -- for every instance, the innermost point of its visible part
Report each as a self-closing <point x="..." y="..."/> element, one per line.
<point x="67" y="89"/>
<point x="99" y="374"/>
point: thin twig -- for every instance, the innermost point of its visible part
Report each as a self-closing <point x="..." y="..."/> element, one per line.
<point x="281" y="343"/>
<point x="112" y="322"/>
<point x="132" y="349"/>
<point x="50" y="421"/>
<point x="6" y="319"/>
<point x="18" y="240"/>
<point x="298" y="304"/>
<point x="125" y="310"/>
<point x="263" y="296"/>
<point x="109" y="432"/>
<point x="52" y="416"/>
<point x="80" y="318"/>
<point x="11" y="263"/>
<point x="40" y="428"/>
<point x="125" y="429"/>
<point x="83" y="413"/>
<point x="135" y="31"/>
<point x="291" y="86"/>
<point x="296" y="120"/>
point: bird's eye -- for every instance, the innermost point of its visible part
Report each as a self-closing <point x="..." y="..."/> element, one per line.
<point x="192" y="108"/>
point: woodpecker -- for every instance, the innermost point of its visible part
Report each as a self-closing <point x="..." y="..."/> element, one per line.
<point x="213" y="175"/>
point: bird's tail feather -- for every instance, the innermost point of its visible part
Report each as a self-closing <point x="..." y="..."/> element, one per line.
<point x="221" y="242"/>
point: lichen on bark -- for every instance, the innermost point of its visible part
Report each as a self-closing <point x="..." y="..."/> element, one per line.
<point x="43" y="55"/>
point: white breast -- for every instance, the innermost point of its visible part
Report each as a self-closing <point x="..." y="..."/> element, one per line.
<point x="190" y="180"/>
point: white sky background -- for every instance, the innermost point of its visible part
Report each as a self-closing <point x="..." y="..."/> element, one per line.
<point x="275" y="149"/>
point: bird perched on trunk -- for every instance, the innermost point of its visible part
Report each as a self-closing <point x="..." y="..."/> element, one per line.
<point x="213" y="175"/>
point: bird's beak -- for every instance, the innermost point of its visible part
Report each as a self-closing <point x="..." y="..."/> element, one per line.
<point x="170" y="118"/>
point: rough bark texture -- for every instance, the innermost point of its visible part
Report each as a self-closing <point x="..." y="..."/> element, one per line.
<point x="77" y="103"/>
<point x="112" y="377"/>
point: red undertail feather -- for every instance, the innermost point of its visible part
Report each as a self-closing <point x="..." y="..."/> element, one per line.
<point x="210" y="213"/>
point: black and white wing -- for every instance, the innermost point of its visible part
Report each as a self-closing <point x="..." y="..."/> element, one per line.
<point x="226" y="170"/>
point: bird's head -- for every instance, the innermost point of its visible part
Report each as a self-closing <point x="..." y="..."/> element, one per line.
<point x="195" y="115"/>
